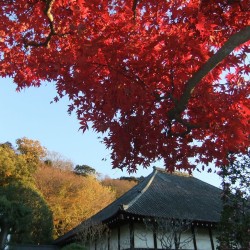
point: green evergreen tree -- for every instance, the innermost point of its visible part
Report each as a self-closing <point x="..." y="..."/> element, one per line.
<point x="234" y="227"/>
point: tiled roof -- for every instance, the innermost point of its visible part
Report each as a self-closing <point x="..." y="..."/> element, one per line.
<point x="166" y="195"/>
<point x="176" y="196"/>
<point x="162" y="194"/>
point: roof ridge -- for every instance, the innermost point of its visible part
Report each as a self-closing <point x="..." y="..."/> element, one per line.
<point x="176" y="172"/>
<point x="142" y="191"/>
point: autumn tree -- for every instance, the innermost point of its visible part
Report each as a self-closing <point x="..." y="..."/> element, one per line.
<point x="23" y="211"/>
<point x="32" y="150"/>
<point x="84" y="170"/>
<point x="57" y="160"/>
<point x="72" y="198"/>
<point x="162" y="79"/>
<point x="119" y="186"/>
<point x="14" y="167"/>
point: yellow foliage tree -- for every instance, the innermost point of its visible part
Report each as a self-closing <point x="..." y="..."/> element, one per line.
<point x="119" y="186"/>
<point x="12" y="166"/>
<point x="22" y="207"/>
<point x="32" y="150"/>
<point x="71" y="198"/>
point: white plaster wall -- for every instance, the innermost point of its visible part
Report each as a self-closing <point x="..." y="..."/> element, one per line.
<point x="143" y="237"/>
<point x="202" y="239"/>
<point x="124" y="237"/>
<point x="91" y="246"/>
<point x="102" y="244"/>
<point x="161" y="237"/>
<point x="215" y="234"/>
<point x="187" y="240"/>
<point x="114" y="239"/>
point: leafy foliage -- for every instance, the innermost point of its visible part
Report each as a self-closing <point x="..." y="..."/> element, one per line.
<point x="23" y="211"/>
<point x="148" y="73"/>
<point x="119" y="186"/>
<point x="235" y="221"/>
<point x="84" y="170"/>
<point x="71" y="197"/>
<point x="73" y="246"/>
<point x="13" y="167"/>
<point x="27" y="214"/>
<point x="31" y="149"/>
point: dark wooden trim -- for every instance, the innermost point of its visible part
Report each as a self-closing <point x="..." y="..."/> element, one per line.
<point x="155" y="239"/>
<point x="211" y="238"/>
<point x="194" y="238"/>
<point x="119" y="237"/>
<point x="109" y="242"/>
<point x="132" y="235"/>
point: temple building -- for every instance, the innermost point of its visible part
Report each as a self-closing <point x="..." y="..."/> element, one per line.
<point x="164" y="211"/>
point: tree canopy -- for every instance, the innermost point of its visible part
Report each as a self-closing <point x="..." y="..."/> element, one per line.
<point x="120" y="186"/>
<point x="23" y="211"/>
<point x="234" y="226"/>
<point x="84" y="170"/>
<point x="162" y="79"/>
<point x="25" y="214"/>
<point x="42" y="194"/>
<point x="71" y="197"/>
<point x="13" y="167"/>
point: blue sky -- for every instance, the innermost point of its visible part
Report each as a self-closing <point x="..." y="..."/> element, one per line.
<point x="29" y="114"/>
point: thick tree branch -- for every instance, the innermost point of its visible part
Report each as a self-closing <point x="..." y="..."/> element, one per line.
<point x="189" y="127"/>
<point x="233" y="42"/>
<point x="45" y="43"/>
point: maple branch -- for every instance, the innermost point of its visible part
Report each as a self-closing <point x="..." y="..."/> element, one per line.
<point x="187" y="125"/>
<point x="45" y="43"/>
<point x="135" y="2"/>
<point x="233" y="42"/>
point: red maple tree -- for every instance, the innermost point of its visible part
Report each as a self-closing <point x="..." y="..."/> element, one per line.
<point x="164" y="79"/>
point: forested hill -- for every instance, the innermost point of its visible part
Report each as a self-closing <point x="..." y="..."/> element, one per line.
<point x="36" y="183"/>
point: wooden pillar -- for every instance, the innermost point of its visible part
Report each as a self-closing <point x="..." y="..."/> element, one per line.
<point x="132" y="235"/>
<point x="119" y="238"/>
<point x="155" y="239"/>
<point x="194" y="238"/>
<point x="211" y="238"/>
<point x="109" y="242"/>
